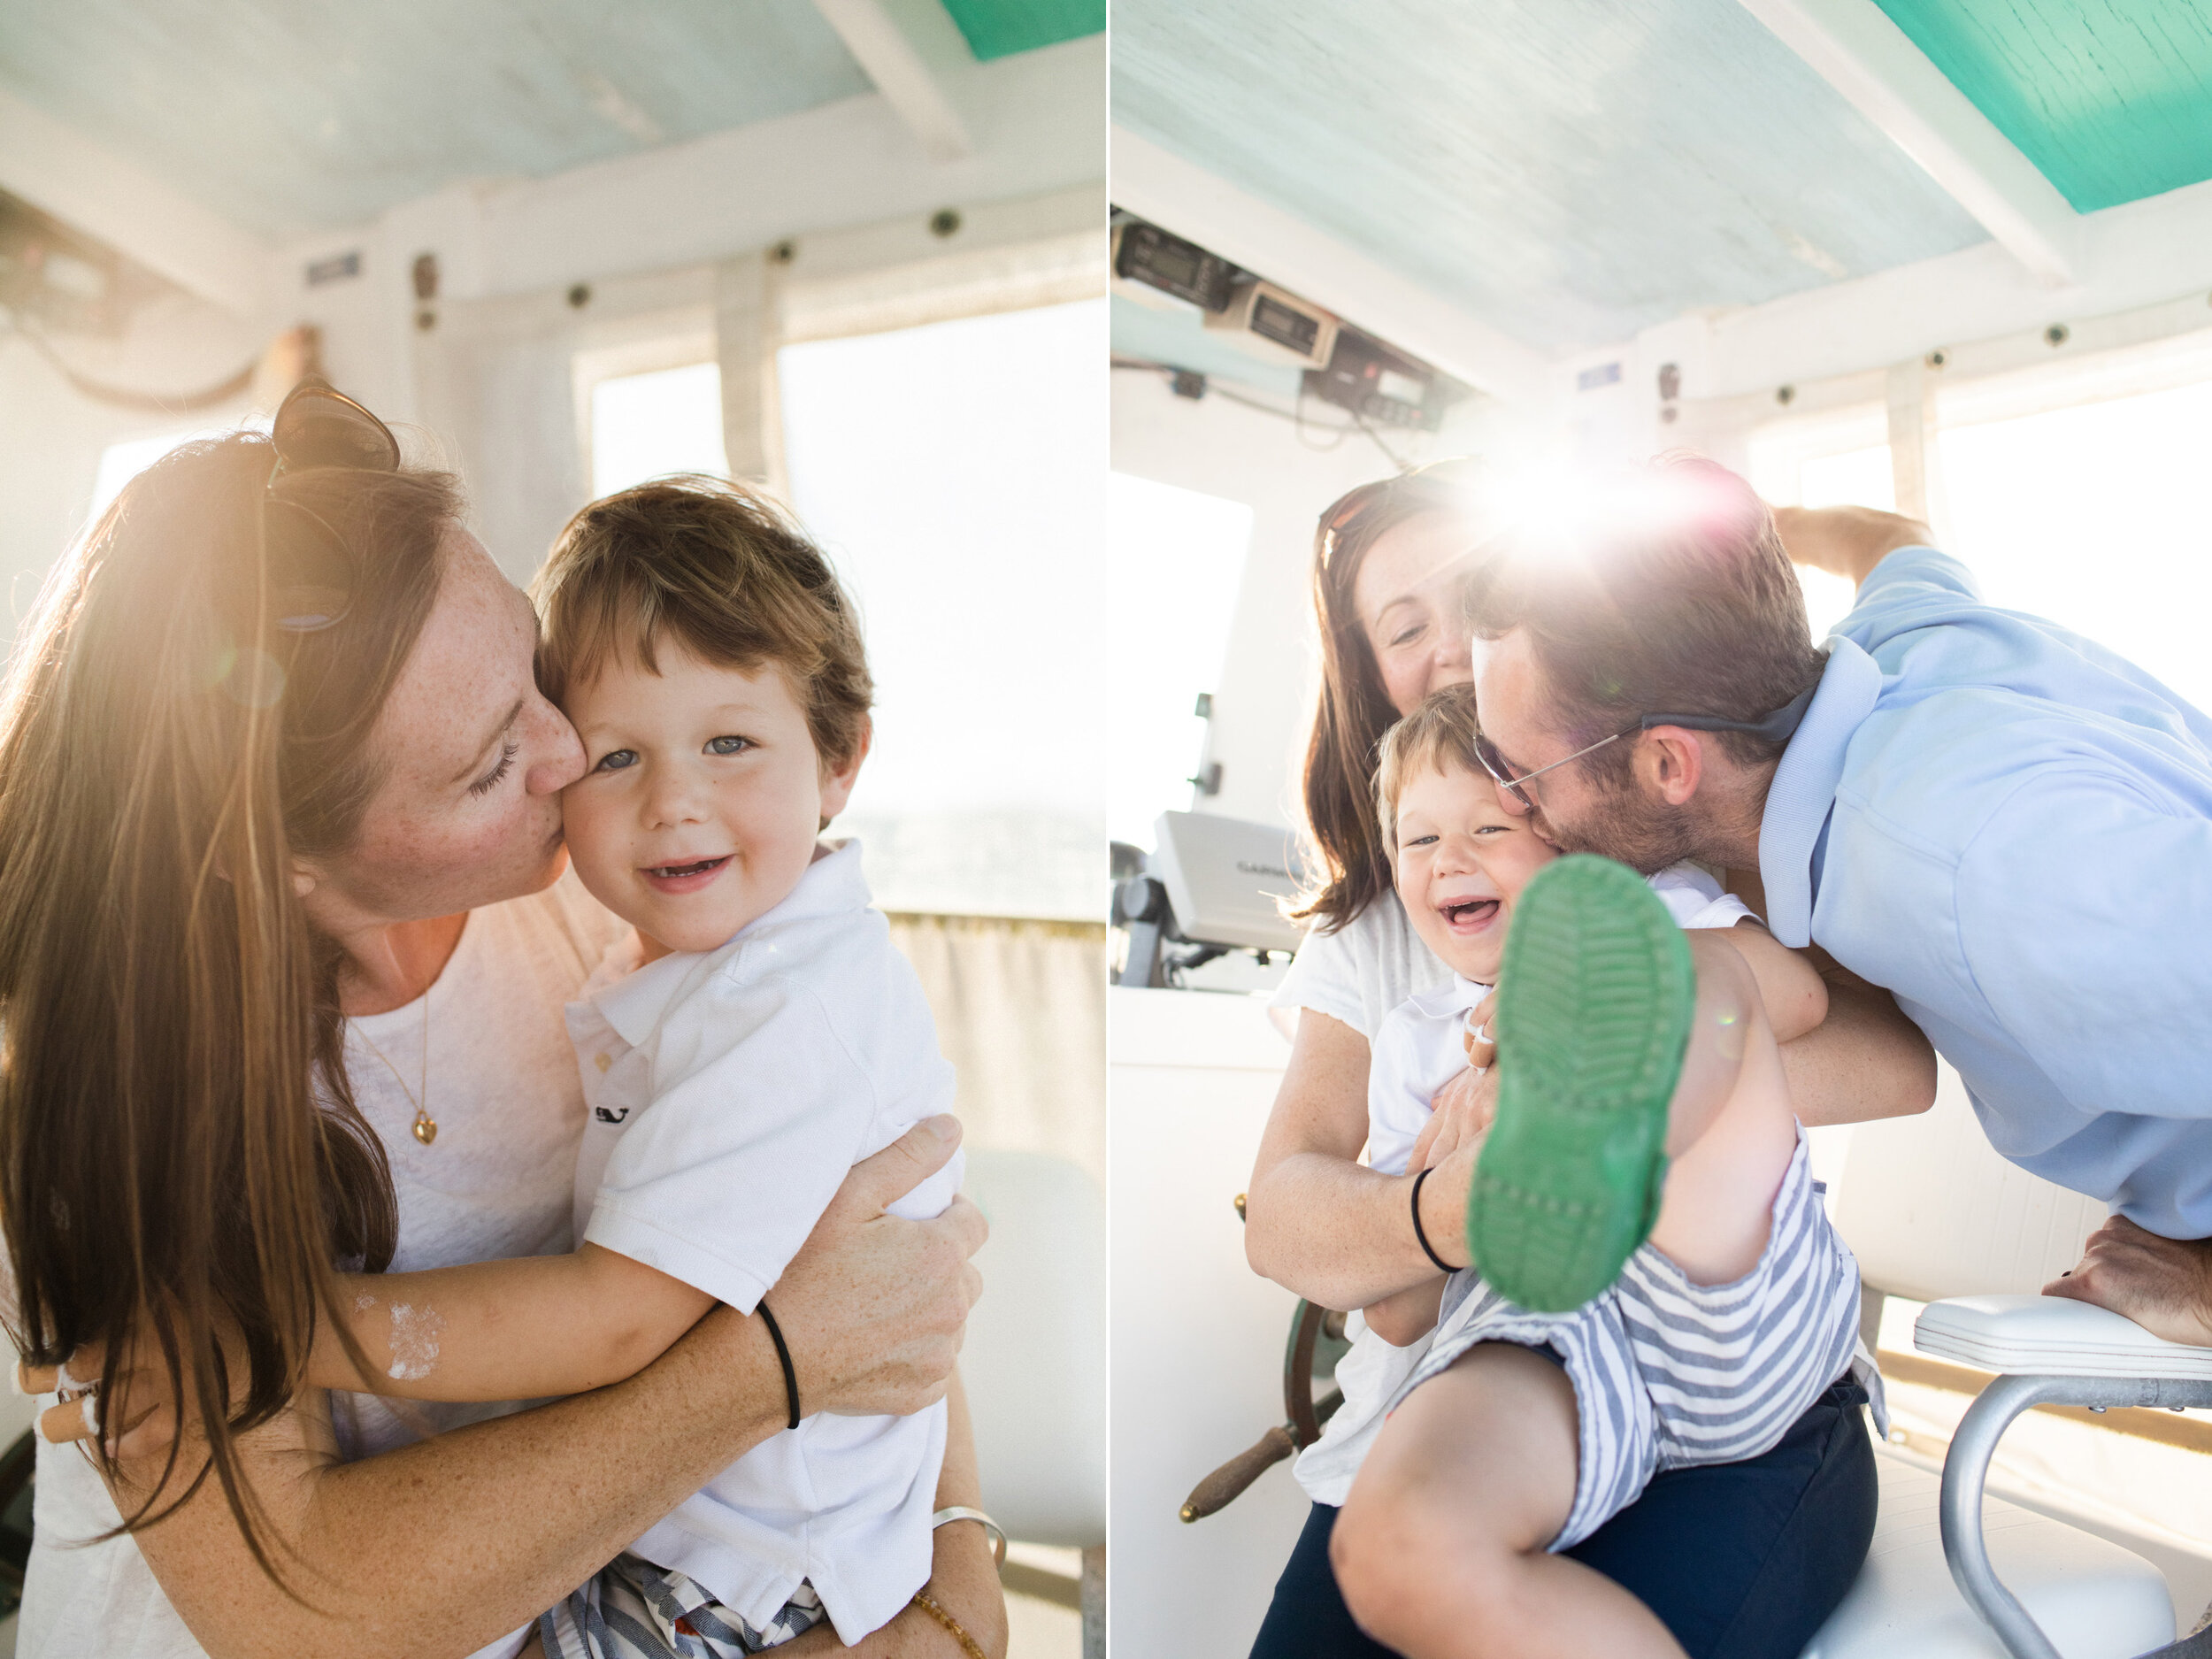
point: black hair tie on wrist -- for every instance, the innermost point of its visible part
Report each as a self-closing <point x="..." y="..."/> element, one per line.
<point x="783" y="1356"/>
<point x="1427" y="1248"/>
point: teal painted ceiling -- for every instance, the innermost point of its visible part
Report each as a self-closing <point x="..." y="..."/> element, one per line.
<point x="998" y="28"/>
<point x="2110" y="99"/>
<point x="1567" y="170"/>
<point x="288" y="116"/>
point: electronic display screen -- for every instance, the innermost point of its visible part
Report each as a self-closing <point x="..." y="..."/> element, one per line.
<point x="1404" y="388"/>
<point x="1173" y="264"/>
<point x="1277" y="322"/>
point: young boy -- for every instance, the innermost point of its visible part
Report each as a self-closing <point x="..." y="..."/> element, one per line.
<point x="754" y="1038"/>
<point x="1512" y="1435"/>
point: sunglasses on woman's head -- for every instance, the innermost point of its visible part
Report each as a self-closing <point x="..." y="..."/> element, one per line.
<point x="1356" y="505"/>
<point x="312" y="571"/>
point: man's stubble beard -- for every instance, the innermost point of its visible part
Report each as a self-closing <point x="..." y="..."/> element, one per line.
<point x="1621" y="825"/>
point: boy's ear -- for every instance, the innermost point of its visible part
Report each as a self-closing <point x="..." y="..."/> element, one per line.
<point x="837" y="786"/>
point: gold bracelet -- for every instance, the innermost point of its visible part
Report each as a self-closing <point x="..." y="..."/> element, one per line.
<point x="968" y="1645"/>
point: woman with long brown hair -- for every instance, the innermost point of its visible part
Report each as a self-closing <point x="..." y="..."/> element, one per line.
<point x="1737" y="1560"/>
<point x="283" y="949"/>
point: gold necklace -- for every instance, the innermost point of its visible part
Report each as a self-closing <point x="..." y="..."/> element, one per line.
<point x="426" y="1126"/>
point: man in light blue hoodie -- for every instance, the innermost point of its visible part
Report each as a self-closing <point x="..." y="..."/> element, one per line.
<point x="2006" y="825"/>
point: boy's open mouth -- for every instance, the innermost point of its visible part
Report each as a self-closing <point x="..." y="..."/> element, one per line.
<point x="681" y="875"/>
<point x="1467" y="916"/>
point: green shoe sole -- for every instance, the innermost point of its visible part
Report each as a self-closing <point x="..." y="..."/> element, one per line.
<point x="1595" y="999"/>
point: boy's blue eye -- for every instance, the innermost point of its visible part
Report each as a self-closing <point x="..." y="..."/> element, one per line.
<point x="615" y="760"/>
<point x="728" y="745"/>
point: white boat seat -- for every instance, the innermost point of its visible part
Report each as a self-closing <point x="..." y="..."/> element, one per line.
<point x="2051" y="1335"/>
<point x="1935" y="1214"/>
<point x="2046" y="1348"/>
<point x="1034" y="1362"/>
<point x="2095" y="1600"/>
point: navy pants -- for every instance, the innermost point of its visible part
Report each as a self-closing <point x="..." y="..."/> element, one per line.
<point x="1740" y="1561"/>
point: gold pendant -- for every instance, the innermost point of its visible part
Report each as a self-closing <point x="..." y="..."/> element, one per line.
<point x="426" y="1128"/>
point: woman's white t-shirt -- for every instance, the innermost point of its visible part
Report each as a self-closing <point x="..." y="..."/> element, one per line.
<point x="1363" y="970"/>
<point x="497" y="1182"/>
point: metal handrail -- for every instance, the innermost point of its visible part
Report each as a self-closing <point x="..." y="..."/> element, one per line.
<point x="1966" y="1469"/>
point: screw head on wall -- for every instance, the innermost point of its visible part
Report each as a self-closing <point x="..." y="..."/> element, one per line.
<point x="945" y="221"/>
<point x="2058" y="333"/>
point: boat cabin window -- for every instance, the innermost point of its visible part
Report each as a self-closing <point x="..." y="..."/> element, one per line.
<point x="645" y="425"/>
<point x="1177" y="557"/>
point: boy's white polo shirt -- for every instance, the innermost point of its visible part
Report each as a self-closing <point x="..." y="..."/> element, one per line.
<point x="728" y="1094"/>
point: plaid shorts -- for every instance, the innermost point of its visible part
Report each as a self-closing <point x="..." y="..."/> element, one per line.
<point x="630" y="1609"/>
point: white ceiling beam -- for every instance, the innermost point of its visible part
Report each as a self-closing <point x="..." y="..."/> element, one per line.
<point x="1035" y="115"/>
<point x="1853" y="45"/>
<point x="901" y="68"/>
<point x="1185" y="198"/>
<point x="2146" y="253"/>
<point x="54" y="167"/>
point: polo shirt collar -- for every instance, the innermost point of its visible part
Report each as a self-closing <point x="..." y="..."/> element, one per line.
<point x="1457" y="997"/>
<point x="1803" y="792"/>
<point x="634" y="1004"/>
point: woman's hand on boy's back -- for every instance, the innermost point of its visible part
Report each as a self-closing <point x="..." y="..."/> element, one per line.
<point x="1460" y="1115"/>
<point x="138" y="1417"/>
<point x="874" y="1306"/>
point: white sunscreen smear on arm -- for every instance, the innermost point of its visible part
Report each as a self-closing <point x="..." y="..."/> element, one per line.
<point x="414" y="1341"/>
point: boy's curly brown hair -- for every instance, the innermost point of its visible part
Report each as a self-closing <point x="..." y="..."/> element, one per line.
<point x="1438" y="736"/>
<point x="723" y="570"/>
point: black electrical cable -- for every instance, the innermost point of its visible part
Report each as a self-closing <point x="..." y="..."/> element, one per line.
<point x="1296" y="416"/>
<point x="1375" y="438"/>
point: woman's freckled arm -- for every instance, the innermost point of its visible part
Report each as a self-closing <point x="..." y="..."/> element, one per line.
<point x="1316" y="1221"/>
<point x="436" y="1549"/>
<point x="521" y="1329"/>
<point x="1409" y="1315"/>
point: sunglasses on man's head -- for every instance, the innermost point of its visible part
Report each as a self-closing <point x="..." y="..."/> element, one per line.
<point x="1777" y="728"/>
<point x="312" y="571"/>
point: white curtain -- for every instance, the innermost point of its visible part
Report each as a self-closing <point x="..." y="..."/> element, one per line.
<point x="1021" y="1014"/>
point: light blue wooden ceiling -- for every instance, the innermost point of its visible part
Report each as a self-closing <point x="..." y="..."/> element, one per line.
<point x="288" y="116"/>
<point x="1567" y="170"/>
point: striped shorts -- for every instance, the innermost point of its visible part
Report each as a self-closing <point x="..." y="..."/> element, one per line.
<point x="632" y="1608"/>
<point x="1668" y="1374"/>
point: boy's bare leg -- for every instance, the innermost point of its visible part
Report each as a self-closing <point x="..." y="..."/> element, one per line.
<point x="1439" y="1550"/>
<point x="1731" y="1132"/>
